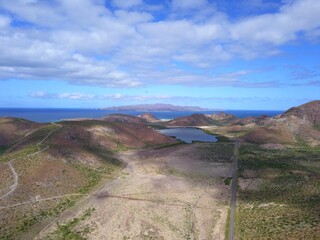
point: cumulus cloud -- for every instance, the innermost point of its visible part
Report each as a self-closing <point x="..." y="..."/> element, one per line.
<point x="87" y="43"/>
<point x="281" y="27"/>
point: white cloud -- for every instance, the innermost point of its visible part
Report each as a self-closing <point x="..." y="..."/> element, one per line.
<point x="279" y="28"/>
<point x="71" y="96"/>
<point x="75" y="96"/>
<point x="141" y="98"/>
<point x="83" y="42"/>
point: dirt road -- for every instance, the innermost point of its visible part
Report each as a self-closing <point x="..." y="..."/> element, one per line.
<point x="157" y="197"/>
<point x="233" y="191"/>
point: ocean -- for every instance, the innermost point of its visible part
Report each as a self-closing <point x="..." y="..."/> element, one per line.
<point x="59" y="114"/>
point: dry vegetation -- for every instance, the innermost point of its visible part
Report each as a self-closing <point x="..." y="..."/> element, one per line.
<point x="279" y="193"/>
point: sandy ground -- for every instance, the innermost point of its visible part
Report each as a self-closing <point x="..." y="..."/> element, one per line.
<point x="157" y="197"/>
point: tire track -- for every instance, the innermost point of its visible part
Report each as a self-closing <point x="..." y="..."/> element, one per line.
<point x="39" y="200"/>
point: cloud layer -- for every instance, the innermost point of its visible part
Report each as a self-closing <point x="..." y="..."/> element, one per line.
<point x="131" y="43"/>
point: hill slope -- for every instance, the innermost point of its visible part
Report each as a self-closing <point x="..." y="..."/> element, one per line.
<point x="203" y="120"/>
<point x="297" y="125"/>
<point x="11" y="129"/>
<point x="49" y="166"/>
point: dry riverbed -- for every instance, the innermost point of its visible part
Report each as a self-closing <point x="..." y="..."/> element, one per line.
<point x="169" y="193"/>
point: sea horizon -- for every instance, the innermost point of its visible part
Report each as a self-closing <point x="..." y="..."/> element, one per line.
<point x="61" y="114"/>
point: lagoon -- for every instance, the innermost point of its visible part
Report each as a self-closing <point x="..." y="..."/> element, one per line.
<point x="188" y="135"/>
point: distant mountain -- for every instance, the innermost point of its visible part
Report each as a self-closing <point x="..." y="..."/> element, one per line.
<point x="158" y="107"/>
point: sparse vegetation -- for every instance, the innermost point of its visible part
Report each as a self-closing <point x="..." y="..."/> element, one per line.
<point x="227" y="181"/>
<point x="162" y="146"/>
<point x="71" y="229"/>
<point x="220" y="137"/>
<point x="285" y="205"/>
<point x="38" y="213"/>
<point x="2" y="150"/>
<point x="20" y="220"/>
<point x="227" y="229"/>
<point x="219" y="152"/>
<point x="42" y="132"/>
<point x="187" y="233"/>
<point x="19" y="153"/>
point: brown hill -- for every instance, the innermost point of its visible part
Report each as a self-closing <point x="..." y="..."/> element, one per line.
<point x="55" y="164"/>
<point x="122" y="118"/>
<point x="82" y="140"/>
<point x="11" y="129"/>
<point x="222" y="116"/>
<point x="269" y="135"/>
<point x="203" y="120"/>
<point x="112" y="133"/>
<point x="149" y="117"/>
<point x="250" y="120"/>
<point x="193" y="120"/>
<point x="297" y="125"/>
<point x="309" y="112"/>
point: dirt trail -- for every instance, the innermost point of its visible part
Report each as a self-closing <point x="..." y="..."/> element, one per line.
<point x="146" y="202"/>
<point x="14" y="186"/>
<point x="36" y="200"/>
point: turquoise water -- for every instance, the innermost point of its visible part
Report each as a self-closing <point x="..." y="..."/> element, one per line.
<point x="188" y="135"/>
<point x="55" y="114"/>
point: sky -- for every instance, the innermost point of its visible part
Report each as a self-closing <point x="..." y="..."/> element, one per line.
<point x="221" y="54"/>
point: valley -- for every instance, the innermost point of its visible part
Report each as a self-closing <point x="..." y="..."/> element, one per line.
<point x="158" y="196"/>
<point x="118" y="178"/>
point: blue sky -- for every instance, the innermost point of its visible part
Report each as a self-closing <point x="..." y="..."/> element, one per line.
<point x="237" y="54"/>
